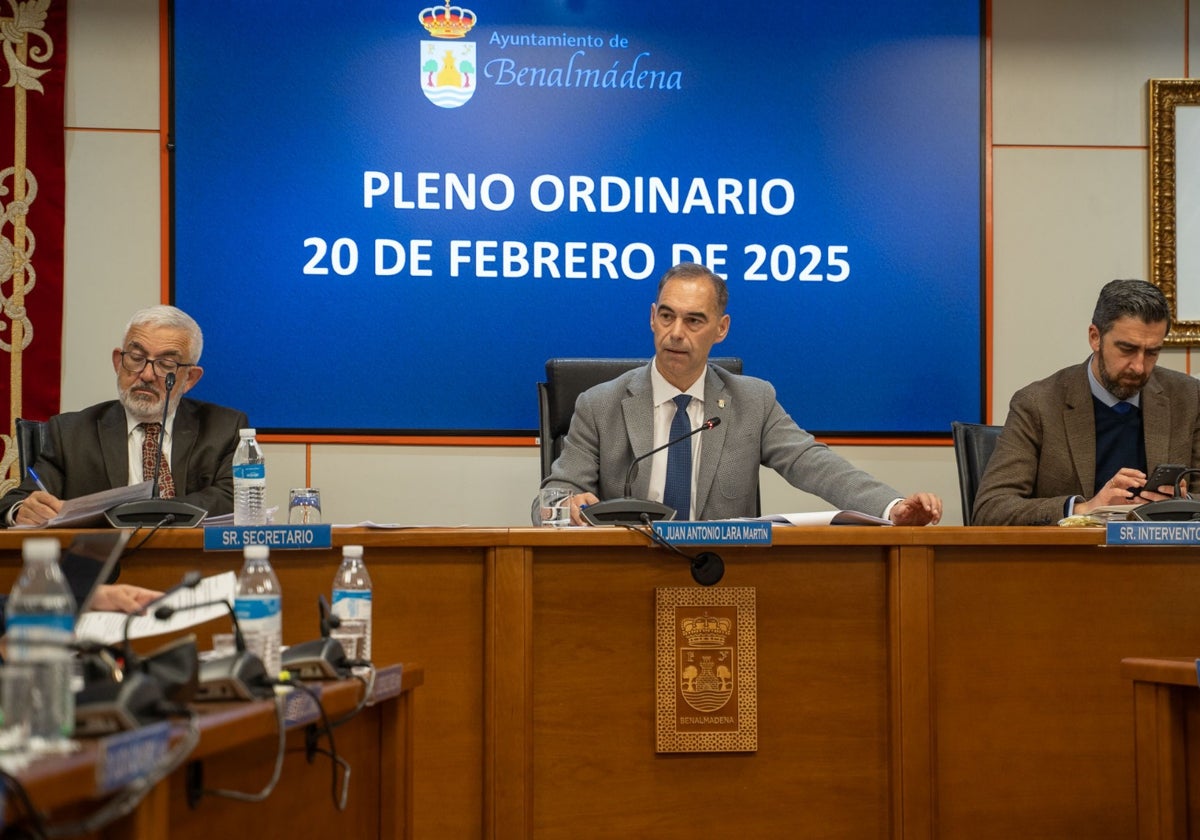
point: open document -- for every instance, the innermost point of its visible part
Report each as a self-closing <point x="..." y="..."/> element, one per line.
<point x="823" y="517"/>
<point x="109" y="627"/>
<point x="83" y="511"/>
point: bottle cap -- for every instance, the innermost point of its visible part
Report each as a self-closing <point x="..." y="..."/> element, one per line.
<point x="246" y="433"/>
<point x="40" y="548"/>
<point x="352" y="551"/>
<point x="256" y="552"/>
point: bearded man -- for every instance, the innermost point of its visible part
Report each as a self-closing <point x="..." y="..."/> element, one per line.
<point x="111" y="444"/>
<point x="1084" y="437"/>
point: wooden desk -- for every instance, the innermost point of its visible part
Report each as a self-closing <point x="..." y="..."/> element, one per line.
<point x="912" y="682"/>
<point x="1166" y="705"/>
<point x="237" y="750"/>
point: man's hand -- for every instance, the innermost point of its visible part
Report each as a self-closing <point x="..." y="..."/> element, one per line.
<point x="1122" y="489"/>
<point x="917" y="509"/>
<point x="578" y="502"/>
<point x="38" y="509"/>
<point x="123" y="597"/>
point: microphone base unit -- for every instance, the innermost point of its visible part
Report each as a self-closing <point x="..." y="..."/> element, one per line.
<point x="319" y="659"/>
<point x="106" y="707"/>
<point x="627" y="512"/>
<point x="235" y="676"/>
<point x="175" y="667"/>
<point x="1167" y="510"/>
<point x="149" y="513"/>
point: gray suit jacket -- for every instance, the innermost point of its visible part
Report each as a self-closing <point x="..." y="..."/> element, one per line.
<point x="1047" y="450"/>
<point x="88" y="451"/>
<point x="614" y="423"/>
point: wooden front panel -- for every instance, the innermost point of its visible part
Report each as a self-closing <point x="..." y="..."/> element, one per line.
<point x="1167" y="726"/>
<point x="1034" y="721"/>
<point x="950" y="682"/>
<point x="303" y="804"/>
<point x="821" y="768"/>
<point x="428" y="596"/>
<point x="1191" y="748"/>
<point x="237" y="747"/>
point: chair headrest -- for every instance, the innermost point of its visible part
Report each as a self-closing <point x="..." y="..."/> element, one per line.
<point x="567" y="378"/>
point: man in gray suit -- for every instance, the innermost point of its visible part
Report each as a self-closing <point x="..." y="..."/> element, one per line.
<point x="1084" y="437"/>
<point x="619" y="420"/>
<point x="102" y="447"/>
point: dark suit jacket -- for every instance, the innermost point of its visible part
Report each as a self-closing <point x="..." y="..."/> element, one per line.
<point x="1047" y="450"/>
<point x="614" y="422"/>
<point x="88" y="451"/>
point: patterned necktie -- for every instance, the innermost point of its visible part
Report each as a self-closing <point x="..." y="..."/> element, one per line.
<point x="678" y="490"/>
<point x="166" y="484"/>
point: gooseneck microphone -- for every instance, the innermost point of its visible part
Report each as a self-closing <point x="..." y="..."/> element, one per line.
<point x="319" y="659"/>
<point x="630" y="511"/>
<point x="169" y="382"/>
<point x="117" y="697"/>
<point x="166" y="611"/>
<point x="710" y="423"/>
<point x="189" y="581"/>
<point x="240" y="675"/>
<point x="156" y="512"/>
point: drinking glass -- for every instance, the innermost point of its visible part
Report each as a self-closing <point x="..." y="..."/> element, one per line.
<point x="554" y="505"/>
<point x="304" y="506"/>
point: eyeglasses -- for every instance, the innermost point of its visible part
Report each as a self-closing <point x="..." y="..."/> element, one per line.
<point x="136" y="362"/>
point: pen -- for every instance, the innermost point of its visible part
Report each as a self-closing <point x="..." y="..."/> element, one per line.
<point x="36" y="478"/>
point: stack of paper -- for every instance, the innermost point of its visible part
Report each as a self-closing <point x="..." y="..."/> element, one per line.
<point x="109" y="627"/>
<point x="823" y="517"/>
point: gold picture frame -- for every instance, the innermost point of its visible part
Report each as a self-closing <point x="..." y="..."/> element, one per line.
<point x="1175" y="219"/>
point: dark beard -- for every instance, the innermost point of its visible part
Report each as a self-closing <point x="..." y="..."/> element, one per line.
<point x="1115" y="387"/>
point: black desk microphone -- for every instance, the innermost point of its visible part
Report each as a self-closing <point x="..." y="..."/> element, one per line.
<point x="631" y="511"/>
<point x="240" y="675"/>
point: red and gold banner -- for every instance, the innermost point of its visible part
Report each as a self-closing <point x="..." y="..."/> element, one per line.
<point x="32" y="194"/>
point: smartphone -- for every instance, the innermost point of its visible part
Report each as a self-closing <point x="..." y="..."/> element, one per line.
<point x="1163" y="474"/>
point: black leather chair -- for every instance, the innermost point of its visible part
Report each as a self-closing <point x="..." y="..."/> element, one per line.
<point x="31" y="439"/>
<point x="566" y="379"/>
<point x="973" y="446"/>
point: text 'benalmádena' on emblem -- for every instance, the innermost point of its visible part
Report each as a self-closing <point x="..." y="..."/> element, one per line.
<point x="706" y="665"/>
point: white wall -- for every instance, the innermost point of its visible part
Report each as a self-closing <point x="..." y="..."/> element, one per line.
<point x="1070" y="213"/>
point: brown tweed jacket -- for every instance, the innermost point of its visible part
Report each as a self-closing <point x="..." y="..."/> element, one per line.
<point x="1047" y="450"/>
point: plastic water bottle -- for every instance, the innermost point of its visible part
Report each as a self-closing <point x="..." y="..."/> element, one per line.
<point x="258" y="604"/>
<point x="352" y="603"/>
<point x="249" y="481"/>
<point x="40" y="617"/>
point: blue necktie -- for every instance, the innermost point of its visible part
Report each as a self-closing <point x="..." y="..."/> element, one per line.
<point x="1123" y="407"/>
<point x="678" y="490"/>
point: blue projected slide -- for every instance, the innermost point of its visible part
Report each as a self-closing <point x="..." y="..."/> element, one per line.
<point x="387" y="216"/>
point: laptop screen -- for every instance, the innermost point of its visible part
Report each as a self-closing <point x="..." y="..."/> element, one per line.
<point x="90" y="560"/>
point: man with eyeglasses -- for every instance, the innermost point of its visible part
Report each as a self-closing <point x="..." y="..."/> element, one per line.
<point x="105" y="446"/>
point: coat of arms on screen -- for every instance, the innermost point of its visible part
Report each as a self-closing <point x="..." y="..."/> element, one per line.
<point x="448" y="64"/>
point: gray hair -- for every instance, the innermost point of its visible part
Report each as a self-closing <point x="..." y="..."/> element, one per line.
<point x="691" y="269"/>
<point x="172" y="318"/>
<point x="1133" y="299"/>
